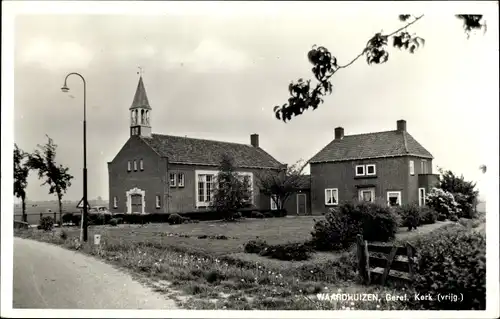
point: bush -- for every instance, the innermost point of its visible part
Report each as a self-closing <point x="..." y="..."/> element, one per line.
<point x="67" y="218"/>
<point x="237" y="215"/>
<point x="255" y="246"/>
<point x="113" y="222"/>
<point x="375" y="221"/>
<point x="63" y="235"/>
<point x="452" y="262"/>
<point x="443" y="202"/>
<point x="427" y="216"/>
<point x="441" y="217"/>
<point x="119" y="220"/>
<point x="410" y="215"/>
<point x="46" y="223"/>
<point x="175" y="219"/>
<point x="290" y="251"/>
<point x="258" y="215"/>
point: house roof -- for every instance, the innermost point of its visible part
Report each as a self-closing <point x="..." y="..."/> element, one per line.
<point x="140" y="97"/>
<point x="371" y="145"/>
<point x="184" y="150"/>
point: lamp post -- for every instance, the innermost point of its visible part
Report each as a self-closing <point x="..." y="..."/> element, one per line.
<point x="85" y="203"/>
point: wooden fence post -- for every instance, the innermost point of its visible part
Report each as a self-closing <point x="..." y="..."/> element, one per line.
<point x="367" y="263"/>
<point x="391" y="257"/>
<point x="361" y="258"/>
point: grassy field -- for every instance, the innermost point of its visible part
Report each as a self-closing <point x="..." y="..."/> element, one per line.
<point x="217" y="274"/>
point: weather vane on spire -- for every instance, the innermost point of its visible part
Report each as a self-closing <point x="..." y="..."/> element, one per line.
<point x="141" y="71"/>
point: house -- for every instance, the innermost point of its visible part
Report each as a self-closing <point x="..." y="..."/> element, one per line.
<point x="390" y="165"/>
<point x="156" y="173"/>
<point x="299" y="203"/>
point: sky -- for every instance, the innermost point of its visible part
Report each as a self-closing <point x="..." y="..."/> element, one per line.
<point x="216" y="71"/>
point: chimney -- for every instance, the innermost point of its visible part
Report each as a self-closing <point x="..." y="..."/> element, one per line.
<point x="254" y="140"/>
<point x="339" y="133"/>
<point x="401" y="124"/>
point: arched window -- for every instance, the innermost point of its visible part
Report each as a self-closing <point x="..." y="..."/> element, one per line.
<point x="143" y="120"/>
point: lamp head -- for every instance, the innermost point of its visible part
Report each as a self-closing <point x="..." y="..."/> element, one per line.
<point x="65" y="88"/>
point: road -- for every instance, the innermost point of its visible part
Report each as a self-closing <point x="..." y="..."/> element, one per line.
<point x="47" y="276"/>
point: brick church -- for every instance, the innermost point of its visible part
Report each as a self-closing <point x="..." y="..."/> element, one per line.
<point x="157" y="173"/>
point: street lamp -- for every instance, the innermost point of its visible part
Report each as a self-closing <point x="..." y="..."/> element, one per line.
<point x="85" y="203"/>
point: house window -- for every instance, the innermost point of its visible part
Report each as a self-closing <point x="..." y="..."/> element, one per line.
<point x="135" y="165"/>
<point x="141" y="165"/>
<point x="158" y="201"/>
<point x="129" y="166"/>
<point x="423" y="167"/>
<point x="274" y="200"/>
<point x="394" y="198"/>
<point x="421" y="196"/>
<point x="172" y="180"/>
<point x="367" y="195"/>
<point x="205" y="189"/>
<point x="360" y="170"/>
<point x="370" y="170"/>
<point x="331" y="196"/>
<point x="115" y="202"/>
<point x="412" y="168"/>
<point x="180" y="179"/>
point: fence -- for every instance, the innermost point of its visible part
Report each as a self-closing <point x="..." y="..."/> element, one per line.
<point x="375" y="269"/>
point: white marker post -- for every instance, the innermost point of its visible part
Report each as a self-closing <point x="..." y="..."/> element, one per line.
<point x="97" y="239"/>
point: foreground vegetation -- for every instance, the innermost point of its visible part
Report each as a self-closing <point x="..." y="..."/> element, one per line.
<point x="214" y="273"/>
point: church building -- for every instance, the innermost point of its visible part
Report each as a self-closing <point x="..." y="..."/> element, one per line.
<point x="157" y="173"/>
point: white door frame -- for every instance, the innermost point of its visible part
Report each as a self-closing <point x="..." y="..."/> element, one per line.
<point x="135" y="191"/>
<point x="305" y="203"/>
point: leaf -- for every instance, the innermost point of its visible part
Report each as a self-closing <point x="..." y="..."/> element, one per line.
<point x="276" y="108"/>
<point x="404" y="17"/>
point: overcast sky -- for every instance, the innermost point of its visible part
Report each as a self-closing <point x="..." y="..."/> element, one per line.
<point x="218" y="75"/>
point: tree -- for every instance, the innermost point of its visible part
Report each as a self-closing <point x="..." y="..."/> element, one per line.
<point x="56" y="176"/>
<point x="21" y="172"/>
<point x="232" y="191"/>
<point x="280" y="185"/>
<point x="464" y="191"/>
<point x="302" y="94"/>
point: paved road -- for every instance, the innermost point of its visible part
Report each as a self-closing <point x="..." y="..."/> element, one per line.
<point x="47" y="276"/>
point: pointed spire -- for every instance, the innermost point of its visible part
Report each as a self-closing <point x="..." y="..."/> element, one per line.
<point x="140" y="97"/>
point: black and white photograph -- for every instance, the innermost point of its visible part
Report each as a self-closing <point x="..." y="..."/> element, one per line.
<point x="250" y="159"/>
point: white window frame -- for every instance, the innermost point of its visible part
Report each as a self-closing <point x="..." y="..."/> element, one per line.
<point x="374" y="170"/>
<point x="199" y="174"/>
<point x="115" y="202"/>
<point x="158" y="201"/>
<point x="421" y="198"/>
<point x="129" y="166"/>
<point x="423" y="166"/>
<point x="331" y="191"/>
<point x="412" y="167"/>
<point x="371" y="190"/>
<point x="141" y="164"/>
<point x="173" y="181"/>
<point x="180" y="179"/>
<point x="274" y="205"/>
<point x="356" y="170"/>
<point x="389" y="193"/>
<point x="135" y="166"/>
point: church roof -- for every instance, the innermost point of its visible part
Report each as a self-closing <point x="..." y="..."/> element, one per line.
<point x="194" y="151"/>
<point x="140" y="97"/>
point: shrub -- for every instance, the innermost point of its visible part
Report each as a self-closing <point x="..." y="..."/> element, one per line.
<point x="454" y="218"/>
<point x="237" y="215"/>
<point x="258" y="215"/>
<point x="113" y="222"/>
<point x="410" y="215"/>
<point x="46" y="223"/>
<point x="441" y="217"/>
<point x="63" y="235"/>
<point x="255" y="246"/>
<point x="442" y="202"/>
<point x="175" y="219"/>
<point x="427" y="216"/>
<point x="268" y="214"/>
<point x="119" y="220"/>
<point x="452" y="262"/>
<point x="67" y="218"/>
<point x="338" y="230"/>
<point x="290" y="251"/>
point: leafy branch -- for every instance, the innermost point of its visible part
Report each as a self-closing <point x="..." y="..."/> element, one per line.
<point x="304" y="96"/>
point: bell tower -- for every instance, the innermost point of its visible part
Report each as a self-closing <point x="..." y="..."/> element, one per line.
<point x="140" y="112"/>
